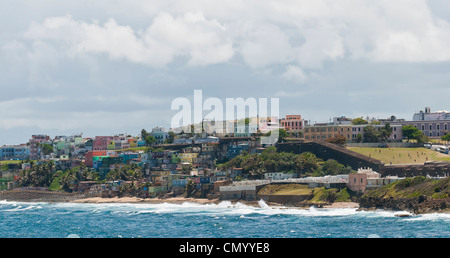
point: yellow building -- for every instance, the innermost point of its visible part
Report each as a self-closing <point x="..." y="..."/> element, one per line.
<point x="188" y="157"/>
<point x="132" y="142"/>
<point x="324" y="132"/>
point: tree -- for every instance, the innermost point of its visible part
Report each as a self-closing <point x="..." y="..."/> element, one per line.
<point x="190" y="188"/>
<point x="47" y="149"/>
<point x="282" y="134"/>
<point x="114" y="175"/>
<point x="446" y="137"/>
<point x="409" y="131"/>
<point x="421" y="137"/>
<point x="144" y="134"/>
<point x="40" y="175"/>
<point x="149" y="140"/>
<point x="385" y="132"/>
<point x="68" y="178"/>
<point x="359" y="137"/>
<point x="371" y="134"/>
<point x="338" y="139"/>
<point x="170" y="138"/>
<point x="412" y="133"/>
<point x="332" y="167"/>
<point x="308" y="162"/>
<point x="359" y="121"/>
<point x="187" y="168"/>
<point x="133" y="174"/>
<point x="87" y="174"/>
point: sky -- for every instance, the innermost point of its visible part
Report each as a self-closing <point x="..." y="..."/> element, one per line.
<point x="109" y="67"/>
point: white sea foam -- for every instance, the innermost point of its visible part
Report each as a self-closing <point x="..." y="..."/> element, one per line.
<point x="215" y="210"/>
<point x="431" y="216"/>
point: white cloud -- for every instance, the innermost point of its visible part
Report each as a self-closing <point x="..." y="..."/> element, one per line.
<point x="275" y="32"/>
<point x="127" y="58"/>
<point x="202" y="41"/>
<point x="265" y="44"/>
<point x="294" y="73"/>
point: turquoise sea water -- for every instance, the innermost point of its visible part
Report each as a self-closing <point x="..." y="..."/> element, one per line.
<point x="223" y="220"/>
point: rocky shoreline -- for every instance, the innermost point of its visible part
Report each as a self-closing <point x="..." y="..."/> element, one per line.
<point x="417" y="205"/>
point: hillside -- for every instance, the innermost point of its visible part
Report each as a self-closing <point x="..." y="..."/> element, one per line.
<point x="318" y="195"/>
<point x="418" y="194"/>
<point x="413" y="187"/>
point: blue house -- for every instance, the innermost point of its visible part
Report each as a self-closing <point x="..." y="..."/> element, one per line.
<point x="128" y="156"/>
<point x="15" y="152"/>
<point x="235" y="150"/>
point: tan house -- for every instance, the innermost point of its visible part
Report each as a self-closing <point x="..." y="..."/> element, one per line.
<point x="324" y="132"/>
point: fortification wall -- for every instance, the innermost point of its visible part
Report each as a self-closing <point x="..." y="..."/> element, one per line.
<point x="434" y="169"/>
<point x="325" y="150"/>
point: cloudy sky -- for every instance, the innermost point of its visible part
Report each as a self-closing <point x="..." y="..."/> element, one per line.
<point x="108" y="67"/>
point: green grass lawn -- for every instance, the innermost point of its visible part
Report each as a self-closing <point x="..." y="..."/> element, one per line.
<point x="402" y="155"/>
<point x="286" y="189"/>
<point x="9" y="161"/>
<point x="320" y="194"/>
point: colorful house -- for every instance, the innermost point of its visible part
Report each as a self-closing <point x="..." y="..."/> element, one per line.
<point x="188" y="157"/>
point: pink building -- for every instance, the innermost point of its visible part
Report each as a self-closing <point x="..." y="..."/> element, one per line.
<point x="101" y="142"/>
<point x="292" y="122"/>
<point x="359" y="181"/>
<point x="35" y="150"/>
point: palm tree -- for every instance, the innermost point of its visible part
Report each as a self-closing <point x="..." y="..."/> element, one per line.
<point x="68" y="179"/>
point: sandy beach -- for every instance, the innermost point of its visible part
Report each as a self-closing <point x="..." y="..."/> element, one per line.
<point x="180" y="200"/>
<point x="176" y="200"/>
<point x="37" y="196"/>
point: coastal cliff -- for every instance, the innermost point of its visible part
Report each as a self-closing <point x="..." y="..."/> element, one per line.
<point x="417" y="195"/>
<point x="416" y="205"/>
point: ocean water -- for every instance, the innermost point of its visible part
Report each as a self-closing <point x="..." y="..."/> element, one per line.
<point x="223" y="220"/>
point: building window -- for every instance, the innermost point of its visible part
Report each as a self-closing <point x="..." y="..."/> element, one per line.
<point x="423" y="127"/>
<point x="445" y="127"/>
<point x="438" y="127"/>
<point x="431" y="128"/>
<point x="431" y="134"/>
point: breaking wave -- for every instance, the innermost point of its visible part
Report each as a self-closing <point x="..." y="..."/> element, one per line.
<point x="222" y="208"/>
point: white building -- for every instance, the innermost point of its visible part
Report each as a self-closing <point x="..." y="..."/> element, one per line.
<point x="277" y="176"/>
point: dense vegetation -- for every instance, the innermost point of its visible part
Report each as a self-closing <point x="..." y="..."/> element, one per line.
<point x="47" y="175"/>
<point x="413" y="187"/>
<point x="305" y="164"/>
